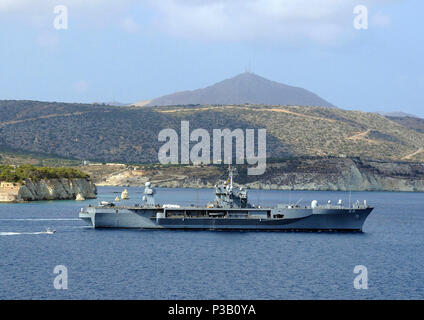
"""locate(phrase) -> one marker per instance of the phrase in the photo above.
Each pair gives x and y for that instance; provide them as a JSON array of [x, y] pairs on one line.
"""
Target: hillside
[[23, 172], [243, 88], [129, 135], [342, 174], [15, 157], [413, 123]]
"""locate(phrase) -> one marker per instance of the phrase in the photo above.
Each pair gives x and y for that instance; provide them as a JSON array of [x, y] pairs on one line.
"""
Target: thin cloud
[[321, 21], [41, 5], [316, 20]]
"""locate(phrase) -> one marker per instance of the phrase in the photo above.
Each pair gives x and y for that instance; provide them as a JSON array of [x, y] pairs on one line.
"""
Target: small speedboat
[[50, 231]]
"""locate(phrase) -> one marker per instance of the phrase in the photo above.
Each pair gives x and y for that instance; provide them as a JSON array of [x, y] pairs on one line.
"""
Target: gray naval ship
[[229, 211]]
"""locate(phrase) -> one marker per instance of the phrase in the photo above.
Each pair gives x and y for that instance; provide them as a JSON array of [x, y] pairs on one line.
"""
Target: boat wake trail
[[30, 219], [20, 233]]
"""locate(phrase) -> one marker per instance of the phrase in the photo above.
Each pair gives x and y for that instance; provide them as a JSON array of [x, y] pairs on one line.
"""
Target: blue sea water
[[136, 264]]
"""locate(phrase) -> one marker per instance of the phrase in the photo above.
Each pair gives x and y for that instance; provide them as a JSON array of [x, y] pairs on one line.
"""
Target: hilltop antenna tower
[[248, 68]]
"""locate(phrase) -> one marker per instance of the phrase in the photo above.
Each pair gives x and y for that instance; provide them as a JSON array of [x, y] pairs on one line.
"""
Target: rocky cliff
[[337, 174], [49, 189], [341, 174]]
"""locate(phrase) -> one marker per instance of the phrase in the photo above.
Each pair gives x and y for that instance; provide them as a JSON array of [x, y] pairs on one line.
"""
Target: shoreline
[[256, 189]]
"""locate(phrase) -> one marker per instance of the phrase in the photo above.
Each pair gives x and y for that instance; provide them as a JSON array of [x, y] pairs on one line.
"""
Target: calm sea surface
[[135, 264]]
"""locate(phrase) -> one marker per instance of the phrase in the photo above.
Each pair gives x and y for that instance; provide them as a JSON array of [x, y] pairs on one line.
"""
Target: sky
[[128, 50]]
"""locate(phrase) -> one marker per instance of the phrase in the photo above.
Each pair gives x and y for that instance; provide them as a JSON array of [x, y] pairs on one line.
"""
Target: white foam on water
[[19, 233], [30, 219]]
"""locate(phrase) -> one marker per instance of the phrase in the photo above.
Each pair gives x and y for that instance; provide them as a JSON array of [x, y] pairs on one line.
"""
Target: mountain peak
[[248, 76], [244, 88]]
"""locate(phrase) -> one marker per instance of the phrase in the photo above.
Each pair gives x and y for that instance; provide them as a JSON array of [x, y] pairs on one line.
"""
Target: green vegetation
[[20, 173], [416, 124], [130, 135], [10, 156]]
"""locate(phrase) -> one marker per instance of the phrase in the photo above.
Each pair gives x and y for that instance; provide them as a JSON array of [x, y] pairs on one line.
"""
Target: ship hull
[[317, 219]]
